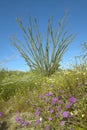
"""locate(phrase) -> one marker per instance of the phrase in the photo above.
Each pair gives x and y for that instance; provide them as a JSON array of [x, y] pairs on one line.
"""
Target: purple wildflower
[[17, 112], [1, 114], [72, 100], [38, 122], [37, 113], [62, 123], [40, 96], [49, 94], [59, 97], [21, 121], [65, 114], [51, 111], [50, 118], [17, 118], [54, 100], [68, 105], [26, 123], [59, 108], [57, 114], [47, 127]]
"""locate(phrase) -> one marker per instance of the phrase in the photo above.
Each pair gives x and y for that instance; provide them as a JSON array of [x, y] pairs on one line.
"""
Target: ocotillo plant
[[38, 56]]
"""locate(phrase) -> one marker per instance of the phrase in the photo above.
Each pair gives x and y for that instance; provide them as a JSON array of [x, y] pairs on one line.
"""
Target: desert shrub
[[36, 53]]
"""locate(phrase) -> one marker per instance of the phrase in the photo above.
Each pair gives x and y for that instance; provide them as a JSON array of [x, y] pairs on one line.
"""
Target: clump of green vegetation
[[45, 103]]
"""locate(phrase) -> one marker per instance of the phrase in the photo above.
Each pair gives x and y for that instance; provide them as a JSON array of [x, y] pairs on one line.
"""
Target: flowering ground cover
[[58, 102]]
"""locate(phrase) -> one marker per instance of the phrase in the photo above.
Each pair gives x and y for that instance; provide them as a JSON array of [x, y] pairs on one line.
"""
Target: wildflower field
[[31, 101]]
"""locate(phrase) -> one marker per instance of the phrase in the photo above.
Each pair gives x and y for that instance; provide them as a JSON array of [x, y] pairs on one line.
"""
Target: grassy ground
[[30, 101]]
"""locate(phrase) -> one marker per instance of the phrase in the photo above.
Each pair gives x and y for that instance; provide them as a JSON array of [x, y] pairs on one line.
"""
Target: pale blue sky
[[42, 10]]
